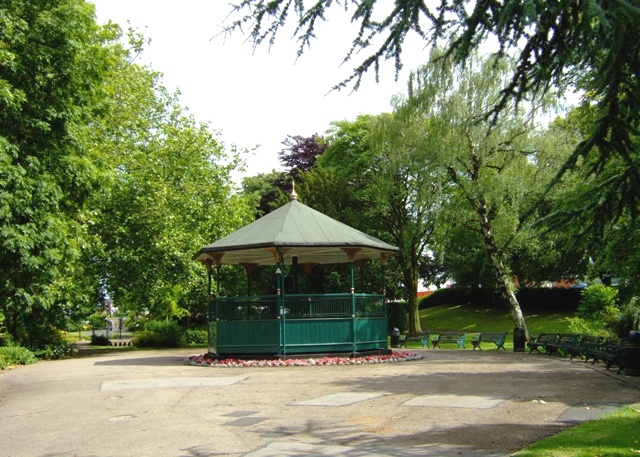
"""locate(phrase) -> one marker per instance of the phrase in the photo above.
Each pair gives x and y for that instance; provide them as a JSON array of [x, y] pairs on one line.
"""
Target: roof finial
[[293, 195]]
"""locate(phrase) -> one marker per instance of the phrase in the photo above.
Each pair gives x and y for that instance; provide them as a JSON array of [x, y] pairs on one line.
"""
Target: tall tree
[[397, 189], [591, 45], [500, 174], [52, 70], [169, 192]]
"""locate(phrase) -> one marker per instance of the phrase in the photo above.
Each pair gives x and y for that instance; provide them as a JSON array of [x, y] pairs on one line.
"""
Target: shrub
[[99, 340], [15, 355], [447, 296], [5, 339], [161, 334], [197, 336], [594, 301], [626, 319], [528, 297], [50, 344], [397, 316], [589, 327], [56, 350]]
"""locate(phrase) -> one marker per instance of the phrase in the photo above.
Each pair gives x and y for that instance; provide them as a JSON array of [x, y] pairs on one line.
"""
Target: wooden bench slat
[[450, 337], [422, 338], [560, 343]]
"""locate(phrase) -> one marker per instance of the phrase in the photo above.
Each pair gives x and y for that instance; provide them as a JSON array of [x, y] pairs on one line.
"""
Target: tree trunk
[[504, 283], [411, 283]]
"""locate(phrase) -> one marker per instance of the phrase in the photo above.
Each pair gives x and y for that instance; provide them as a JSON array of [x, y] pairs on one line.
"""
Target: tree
[[168, 192], [497, 176], [300, 153], [53, 65], [590, 45], [396, 190], [266, 189]]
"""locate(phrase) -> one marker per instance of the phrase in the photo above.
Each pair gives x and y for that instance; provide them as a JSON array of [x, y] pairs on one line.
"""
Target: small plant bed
[[203, 360]]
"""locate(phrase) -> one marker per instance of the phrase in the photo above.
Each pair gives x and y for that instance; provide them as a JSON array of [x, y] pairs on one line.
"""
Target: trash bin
[[518, 339], [395, 338], [632, 354]]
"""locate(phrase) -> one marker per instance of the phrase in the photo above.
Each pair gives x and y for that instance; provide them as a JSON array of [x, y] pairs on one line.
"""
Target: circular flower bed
[[202, 360]]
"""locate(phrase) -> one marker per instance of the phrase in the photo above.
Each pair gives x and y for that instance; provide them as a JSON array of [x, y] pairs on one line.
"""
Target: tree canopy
[[52, 68], [590, 46], [107, 186]]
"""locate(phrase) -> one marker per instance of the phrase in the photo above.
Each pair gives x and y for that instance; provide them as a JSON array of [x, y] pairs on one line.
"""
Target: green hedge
[[197, 336], [531, 298], [160, 334], [397, 316]]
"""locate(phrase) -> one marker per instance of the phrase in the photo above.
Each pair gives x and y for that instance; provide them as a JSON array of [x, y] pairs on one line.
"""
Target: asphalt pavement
[[153, 403]]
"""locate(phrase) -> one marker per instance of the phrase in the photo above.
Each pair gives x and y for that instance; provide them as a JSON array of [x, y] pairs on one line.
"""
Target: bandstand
[[292, 238]]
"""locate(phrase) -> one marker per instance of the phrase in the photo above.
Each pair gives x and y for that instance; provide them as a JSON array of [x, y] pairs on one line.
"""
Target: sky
[[255, 98]]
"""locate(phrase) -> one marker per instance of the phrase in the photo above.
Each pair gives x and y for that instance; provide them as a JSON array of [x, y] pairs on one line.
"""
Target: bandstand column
[[351, 254]]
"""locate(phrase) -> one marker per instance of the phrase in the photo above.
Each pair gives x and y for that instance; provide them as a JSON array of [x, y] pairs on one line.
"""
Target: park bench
[[597, 351], [540, 341], [614, 356], [422, 338], [490, 337], [450, 337], [578, 348], [559, 345]]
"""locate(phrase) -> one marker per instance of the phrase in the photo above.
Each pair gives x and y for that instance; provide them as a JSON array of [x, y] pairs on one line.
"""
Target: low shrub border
[[15, 355]]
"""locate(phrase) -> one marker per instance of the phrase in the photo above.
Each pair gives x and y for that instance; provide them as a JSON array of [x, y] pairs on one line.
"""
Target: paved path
[[150, 403]]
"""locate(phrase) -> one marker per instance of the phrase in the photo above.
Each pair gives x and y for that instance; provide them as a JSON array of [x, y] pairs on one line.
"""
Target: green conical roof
[[299, 231]]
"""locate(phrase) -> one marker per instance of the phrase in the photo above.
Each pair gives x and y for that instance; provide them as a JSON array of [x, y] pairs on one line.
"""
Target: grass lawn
[[474, 320], [616, 434]]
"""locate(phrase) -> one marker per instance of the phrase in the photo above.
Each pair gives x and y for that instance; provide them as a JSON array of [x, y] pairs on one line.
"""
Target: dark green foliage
[[627, 320], [529, 298], [591, 44], [50, 74], [196, 336], [15, 355], [448, 296], [397, 315], [161, 334], [56, 350], [545, 298], [99, 340]]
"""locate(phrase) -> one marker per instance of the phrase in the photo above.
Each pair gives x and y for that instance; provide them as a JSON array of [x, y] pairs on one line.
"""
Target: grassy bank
[[473, 319]]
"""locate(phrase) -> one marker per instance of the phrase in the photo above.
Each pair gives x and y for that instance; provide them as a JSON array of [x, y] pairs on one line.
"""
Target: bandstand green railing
[[295, 323]]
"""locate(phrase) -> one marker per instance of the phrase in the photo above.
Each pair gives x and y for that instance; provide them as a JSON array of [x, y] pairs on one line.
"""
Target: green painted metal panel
[[312, 324], [371, 333], [248, 337]]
